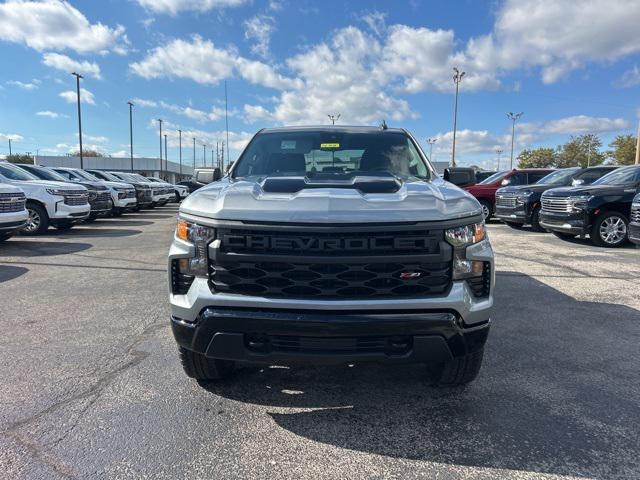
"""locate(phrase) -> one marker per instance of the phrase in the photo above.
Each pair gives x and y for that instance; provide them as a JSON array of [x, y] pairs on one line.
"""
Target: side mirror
[[505, 182], [217, 174], [447, 174], [576, 182]]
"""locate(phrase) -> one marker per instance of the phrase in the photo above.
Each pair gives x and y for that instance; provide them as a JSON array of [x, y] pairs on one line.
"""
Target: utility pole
[[222, 157], [638, 145], [160, 122], [78, 77], [431, 141], [194, 153], [217, 154], [514, 118], [213, 165], [334, 118], [10, 154], [457, 78], [180, 148], [166, 157], [589, 151], [226, 117], [131, 132], [204, 155]]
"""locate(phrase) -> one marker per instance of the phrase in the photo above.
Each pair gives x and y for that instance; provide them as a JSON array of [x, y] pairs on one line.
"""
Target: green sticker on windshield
[[329, 146]]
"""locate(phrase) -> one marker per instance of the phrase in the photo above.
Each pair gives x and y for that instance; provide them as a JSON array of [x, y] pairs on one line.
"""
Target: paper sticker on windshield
[[329, 146], [288, 145]]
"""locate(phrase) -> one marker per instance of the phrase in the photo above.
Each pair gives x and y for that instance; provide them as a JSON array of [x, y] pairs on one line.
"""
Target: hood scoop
[[364, 184]]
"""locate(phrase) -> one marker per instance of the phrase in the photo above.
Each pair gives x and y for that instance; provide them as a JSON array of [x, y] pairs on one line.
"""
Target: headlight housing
[[57, 191], [460, 238], [579, 202], [523, 197], [199, 236]]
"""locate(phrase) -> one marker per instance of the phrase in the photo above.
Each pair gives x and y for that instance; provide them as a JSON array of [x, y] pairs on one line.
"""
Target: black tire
[[535, 221], [90, 219], [564, 236], [5, 236], [487, 210], [198, 366], [116, 212], [515, 226], [618, 236], [458, 371], [64, 226], [38, 222]]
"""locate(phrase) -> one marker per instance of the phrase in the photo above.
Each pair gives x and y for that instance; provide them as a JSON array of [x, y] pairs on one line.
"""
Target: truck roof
[[333, 128]]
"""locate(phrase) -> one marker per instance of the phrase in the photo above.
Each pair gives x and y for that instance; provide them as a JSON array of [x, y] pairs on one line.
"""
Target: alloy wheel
[[613, 230], [33, 222], [485, 211]]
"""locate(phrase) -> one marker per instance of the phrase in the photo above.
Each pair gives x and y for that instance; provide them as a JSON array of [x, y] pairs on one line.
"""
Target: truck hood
[[525, 188], [49, 184], [414, 201], [587, 190], [116, 184]]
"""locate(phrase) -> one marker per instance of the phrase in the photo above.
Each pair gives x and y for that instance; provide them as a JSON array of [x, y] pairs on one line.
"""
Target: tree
[[537, 158], [20, 158], [87, 153], [624, 150], [583, 150]]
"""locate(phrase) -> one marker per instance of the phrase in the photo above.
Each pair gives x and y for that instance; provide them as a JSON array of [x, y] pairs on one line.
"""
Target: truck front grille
[[103, 196], [635, 215], [556, 205], [506, 201], [76, 197], [332, 265], [12, 202]]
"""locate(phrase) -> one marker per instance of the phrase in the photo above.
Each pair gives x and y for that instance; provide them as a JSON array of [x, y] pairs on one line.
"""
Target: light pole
[[514, 118], [204, 155], [457, 78], [10, 154], [78, 77], [431, 141], [194, 153], [180, 148], [160, 122], [131, 132], [334, 118], [166, 158], [499, 152], [638, 145]]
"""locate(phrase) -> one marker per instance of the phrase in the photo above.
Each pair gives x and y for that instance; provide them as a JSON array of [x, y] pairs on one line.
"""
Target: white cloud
[[95, 139], [630, 78], [575, 125], [173, 7], [66, 64], [14, 137], [376, 21], [259, 29], [201, 61], [49, 113], [25, 85], [214, 114], [121, 153], [141, 102], [85, 96], [57, 25]]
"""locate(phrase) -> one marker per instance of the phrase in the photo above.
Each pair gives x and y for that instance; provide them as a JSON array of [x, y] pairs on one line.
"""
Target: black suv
[[634, 225], [519, 205], [600, 210], [143, 190]]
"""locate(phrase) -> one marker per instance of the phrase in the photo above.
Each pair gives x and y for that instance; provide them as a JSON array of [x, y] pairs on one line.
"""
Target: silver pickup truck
[[331, 244]]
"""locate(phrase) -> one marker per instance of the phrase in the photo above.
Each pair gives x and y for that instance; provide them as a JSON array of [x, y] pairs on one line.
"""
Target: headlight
[[523, 197], [92, 194], [199, 236], [579, 202], [57, 191], [460, 238]]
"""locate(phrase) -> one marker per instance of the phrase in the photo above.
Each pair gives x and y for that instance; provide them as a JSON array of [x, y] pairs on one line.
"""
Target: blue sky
[[571, 67]]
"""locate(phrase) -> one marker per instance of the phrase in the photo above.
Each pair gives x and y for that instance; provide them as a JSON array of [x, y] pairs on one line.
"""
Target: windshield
[[105, 176], [137, 177], [86, 175], [331, 154], [559, 177], [43, 173], [15, 173], [493, 178], [620, 177], [69, 175]]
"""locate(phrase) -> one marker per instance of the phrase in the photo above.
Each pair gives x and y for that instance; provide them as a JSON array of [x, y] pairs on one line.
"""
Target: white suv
[[13, 214], [180, 192], [48, 203]]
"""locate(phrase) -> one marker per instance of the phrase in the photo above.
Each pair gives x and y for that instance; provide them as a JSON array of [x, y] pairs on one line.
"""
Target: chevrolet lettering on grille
[[265, 242]]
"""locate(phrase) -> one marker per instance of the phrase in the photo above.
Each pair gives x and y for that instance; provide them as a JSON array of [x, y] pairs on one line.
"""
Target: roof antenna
[[383, 125]]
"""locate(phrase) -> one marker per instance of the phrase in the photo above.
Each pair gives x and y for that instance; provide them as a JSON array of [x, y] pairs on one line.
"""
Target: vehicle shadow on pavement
[[8, 272], [557, 394], [97, 232], [24, 248], [119, 222]]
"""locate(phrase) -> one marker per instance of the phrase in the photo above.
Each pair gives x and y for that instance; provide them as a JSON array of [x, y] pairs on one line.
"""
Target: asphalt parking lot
[[91, 386]]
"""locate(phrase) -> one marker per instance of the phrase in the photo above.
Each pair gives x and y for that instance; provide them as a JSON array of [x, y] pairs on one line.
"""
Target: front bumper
[[101, 208], [577, 223], [512, 215], [271, 336], [123, 203], [12, 221], [63, 211]]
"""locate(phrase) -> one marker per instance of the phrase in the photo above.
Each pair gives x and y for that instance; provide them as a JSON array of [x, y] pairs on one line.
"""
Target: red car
[[485, 191]]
